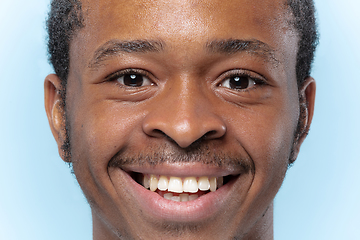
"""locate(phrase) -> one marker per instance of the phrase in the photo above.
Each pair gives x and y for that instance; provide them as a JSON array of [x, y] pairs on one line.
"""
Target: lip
[[182, 170], [157, 207]]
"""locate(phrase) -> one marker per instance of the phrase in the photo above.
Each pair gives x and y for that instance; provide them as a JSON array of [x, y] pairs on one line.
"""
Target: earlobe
[[307, 105], [55, 112]]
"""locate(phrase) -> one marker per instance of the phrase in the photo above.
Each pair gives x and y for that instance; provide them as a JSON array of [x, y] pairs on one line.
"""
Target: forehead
[[179, 16], [184, 25]]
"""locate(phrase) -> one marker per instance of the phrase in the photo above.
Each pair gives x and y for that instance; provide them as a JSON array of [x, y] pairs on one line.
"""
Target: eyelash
[[115, 76], [258, 79]]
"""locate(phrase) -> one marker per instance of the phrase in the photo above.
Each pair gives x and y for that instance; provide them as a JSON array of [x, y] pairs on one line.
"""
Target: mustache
[[169, 154]]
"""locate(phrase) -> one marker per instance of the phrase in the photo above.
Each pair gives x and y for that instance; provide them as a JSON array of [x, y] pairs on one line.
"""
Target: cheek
[[103, 130], [266, 135], [99, 130]]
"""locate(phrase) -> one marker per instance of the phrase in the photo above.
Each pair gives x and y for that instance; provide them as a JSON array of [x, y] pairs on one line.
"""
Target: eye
[[239, 82], [133, 80]]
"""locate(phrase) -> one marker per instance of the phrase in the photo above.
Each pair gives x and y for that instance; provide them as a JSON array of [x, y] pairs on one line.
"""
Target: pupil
[[239, 82], [133, 80]]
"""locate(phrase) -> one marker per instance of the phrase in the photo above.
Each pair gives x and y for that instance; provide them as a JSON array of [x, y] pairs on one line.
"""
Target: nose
[[184, 114]]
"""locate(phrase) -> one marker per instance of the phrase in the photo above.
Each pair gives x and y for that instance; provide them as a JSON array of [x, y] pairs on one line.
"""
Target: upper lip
[[183, 170]]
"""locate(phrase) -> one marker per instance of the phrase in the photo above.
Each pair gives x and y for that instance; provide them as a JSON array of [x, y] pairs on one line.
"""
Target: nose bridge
[[185, 114]]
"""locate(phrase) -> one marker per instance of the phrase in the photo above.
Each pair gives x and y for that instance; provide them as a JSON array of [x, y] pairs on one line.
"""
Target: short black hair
[[304, 22], [66, 18]]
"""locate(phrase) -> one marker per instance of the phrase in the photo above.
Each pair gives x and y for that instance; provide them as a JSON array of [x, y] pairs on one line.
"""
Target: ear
[[307, 93], [55, 112]]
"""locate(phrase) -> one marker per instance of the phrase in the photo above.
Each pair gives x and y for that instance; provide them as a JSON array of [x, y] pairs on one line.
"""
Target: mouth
[[180, 192], [181, 189]]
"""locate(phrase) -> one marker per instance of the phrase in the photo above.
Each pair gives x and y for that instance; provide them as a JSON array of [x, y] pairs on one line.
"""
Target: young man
[[180, 118]]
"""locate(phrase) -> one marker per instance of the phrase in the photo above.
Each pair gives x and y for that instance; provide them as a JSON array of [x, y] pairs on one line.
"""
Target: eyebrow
[[252, 46], [115, 47], [228, 46]]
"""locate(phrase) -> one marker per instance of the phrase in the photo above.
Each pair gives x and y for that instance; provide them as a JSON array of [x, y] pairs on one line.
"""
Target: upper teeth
[[179, 185]]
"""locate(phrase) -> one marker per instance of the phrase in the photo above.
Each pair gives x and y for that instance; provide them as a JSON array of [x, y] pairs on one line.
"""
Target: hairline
[[288, 14]]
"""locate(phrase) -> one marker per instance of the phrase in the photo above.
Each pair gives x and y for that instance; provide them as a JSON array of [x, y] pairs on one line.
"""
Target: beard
[[201, 151]]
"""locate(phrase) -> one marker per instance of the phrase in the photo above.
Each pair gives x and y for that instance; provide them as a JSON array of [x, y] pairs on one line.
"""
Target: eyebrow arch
[[252, 46], [114, 47]]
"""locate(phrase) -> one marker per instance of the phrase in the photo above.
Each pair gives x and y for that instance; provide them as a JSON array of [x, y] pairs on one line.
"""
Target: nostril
[[158, 132], [209, 134], [184, 128], [216, 133]]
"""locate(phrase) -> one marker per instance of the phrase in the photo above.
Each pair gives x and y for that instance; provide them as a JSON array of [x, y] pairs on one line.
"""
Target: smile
[[180, 192], [180, 189]]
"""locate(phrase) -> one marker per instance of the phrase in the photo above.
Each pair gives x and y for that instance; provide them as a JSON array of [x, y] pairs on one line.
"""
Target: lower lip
[[204, 207]]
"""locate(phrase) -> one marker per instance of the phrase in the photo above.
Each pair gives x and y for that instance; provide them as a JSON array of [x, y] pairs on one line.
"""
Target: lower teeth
[[181, 198]]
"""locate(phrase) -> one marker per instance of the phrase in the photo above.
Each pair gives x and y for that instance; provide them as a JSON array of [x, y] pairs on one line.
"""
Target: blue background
[[40, 199]]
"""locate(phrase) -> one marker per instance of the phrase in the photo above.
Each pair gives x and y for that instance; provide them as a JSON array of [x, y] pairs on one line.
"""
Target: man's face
[[182, 90]]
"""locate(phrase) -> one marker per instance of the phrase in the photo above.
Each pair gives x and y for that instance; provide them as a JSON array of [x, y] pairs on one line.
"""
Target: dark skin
[[185, 99]]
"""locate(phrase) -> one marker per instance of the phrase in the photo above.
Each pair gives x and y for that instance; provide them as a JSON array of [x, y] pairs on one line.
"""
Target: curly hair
[[65, 19]]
